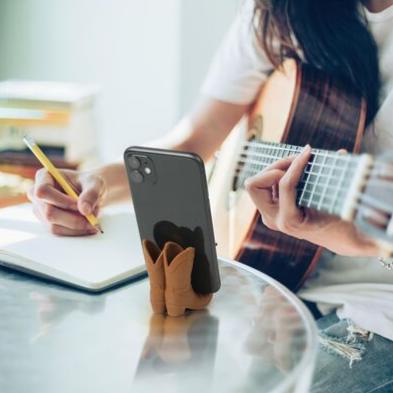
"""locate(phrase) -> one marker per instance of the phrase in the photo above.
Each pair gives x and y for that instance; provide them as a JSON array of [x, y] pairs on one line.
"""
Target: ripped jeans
[[351, 360]]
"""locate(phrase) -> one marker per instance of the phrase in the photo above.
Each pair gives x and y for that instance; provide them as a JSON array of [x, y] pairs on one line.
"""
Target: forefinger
[[282, 164], [287, 192]]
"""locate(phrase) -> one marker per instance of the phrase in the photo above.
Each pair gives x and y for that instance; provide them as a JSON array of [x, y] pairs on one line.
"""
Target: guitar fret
[[277, 158], [300, 188], [327, 201], [250, 172], [325, 187], [305, 185], [309, 204], [333, 190], [332, 209], [263, 146]]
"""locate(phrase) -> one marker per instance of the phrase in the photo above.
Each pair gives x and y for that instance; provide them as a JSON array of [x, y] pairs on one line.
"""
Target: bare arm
[[202, 131], [205, 128]]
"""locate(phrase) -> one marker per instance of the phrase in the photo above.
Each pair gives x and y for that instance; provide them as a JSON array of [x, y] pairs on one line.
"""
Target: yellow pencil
[[44, 160]]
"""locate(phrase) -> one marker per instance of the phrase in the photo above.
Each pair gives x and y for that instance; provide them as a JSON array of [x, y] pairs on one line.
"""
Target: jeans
[[351, 360]]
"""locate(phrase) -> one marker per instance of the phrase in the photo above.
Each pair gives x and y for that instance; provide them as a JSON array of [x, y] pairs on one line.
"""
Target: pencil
[[67, 187]]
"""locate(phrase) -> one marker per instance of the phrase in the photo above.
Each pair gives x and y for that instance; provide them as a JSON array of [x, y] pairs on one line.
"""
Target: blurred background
[[135, 67], [148, 57]]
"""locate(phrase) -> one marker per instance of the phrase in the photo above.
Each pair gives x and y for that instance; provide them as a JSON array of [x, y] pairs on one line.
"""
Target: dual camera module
[[141, 168]]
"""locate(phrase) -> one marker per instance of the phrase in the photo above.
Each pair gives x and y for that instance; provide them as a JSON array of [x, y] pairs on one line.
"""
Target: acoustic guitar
[[299, 104]]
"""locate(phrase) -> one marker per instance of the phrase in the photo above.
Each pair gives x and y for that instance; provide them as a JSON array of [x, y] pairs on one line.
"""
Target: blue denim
[[371, 368]]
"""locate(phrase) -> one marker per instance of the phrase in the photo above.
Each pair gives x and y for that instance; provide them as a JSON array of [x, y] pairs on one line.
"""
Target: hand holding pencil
[[56, 201]]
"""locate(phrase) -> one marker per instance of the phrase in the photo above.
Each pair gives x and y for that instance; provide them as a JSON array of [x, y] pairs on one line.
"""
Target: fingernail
[[86, 208], [306, 148]]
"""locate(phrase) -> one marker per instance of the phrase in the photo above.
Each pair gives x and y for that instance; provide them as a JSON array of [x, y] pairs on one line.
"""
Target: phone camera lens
[[136, 177], [148, 171], [134, 162]]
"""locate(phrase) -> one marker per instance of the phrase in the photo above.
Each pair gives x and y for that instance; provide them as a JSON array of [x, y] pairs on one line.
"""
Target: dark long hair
[[332, 34]]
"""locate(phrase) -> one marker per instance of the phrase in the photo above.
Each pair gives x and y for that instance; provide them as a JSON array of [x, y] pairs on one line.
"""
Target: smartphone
[[171, 203]]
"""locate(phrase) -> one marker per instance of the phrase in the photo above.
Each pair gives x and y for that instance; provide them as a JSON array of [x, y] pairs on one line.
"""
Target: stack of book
[[59, 116]]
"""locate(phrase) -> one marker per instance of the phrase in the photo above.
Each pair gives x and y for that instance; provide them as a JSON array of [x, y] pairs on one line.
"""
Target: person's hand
[[60, 212], [274, 193], [277, 332]]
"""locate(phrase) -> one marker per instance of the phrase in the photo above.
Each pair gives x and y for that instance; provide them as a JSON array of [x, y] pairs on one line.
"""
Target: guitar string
[[341, 199], [275, 157], [339, 188], [368, 200], [354, 158], [244, 174], [240, 170], [306, 182], [286, 148], [309, 182], [303, 185], [266, 164], [289, 148], [334, 186], [322, 196], [380, 205], [296, 149], [381, 182]]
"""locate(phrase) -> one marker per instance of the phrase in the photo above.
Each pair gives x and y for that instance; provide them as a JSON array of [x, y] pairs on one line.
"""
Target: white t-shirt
[[359, 288]]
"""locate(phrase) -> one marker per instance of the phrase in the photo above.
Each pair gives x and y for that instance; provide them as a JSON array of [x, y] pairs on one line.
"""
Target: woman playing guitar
[[353, 41]]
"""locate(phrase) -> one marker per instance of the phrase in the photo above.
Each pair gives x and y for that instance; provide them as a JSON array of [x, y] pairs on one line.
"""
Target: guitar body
[[297, 105]]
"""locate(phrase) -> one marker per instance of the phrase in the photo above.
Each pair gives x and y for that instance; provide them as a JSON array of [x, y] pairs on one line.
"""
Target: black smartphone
[[171, 203]]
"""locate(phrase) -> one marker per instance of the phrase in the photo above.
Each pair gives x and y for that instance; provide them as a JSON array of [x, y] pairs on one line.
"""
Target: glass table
[[255, 337]]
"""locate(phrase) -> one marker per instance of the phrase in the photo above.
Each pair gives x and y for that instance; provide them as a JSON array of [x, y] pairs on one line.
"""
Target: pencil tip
[[99, 229]]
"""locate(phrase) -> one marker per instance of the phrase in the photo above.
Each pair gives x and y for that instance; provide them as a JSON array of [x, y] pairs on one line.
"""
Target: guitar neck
[[330, 183]]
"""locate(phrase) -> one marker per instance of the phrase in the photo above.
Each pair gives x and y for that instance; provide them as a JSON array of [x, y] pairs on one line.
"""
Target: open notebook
[[93, 263]]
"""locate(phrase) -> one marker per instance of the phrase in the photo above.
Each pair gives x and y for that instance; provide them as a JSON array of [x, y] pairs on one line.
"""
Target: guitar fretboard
[[326, 182]]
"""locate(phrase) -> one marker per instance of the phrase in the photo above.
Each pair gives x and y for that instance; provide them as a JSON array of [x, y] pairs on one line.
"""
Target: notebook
[[93, 263]]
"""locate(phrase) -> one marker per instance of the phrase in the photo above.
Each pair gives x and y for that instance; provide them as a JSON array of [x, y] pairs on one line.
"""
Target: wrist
[[344, 239], [115, 183]]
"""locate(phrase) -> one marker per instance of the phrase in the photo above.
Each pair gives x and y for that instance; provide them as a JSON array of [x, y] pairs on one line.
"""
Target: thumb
[[92, 191]]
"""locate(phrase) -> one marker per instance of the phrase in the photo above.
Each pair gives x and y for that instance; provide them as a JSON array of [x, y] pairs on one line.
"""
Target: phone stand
[[169, 273]]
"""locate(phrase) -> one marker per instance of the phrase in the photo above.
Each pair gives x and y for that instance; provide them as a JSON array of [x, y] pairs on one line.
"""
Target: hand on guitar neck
[[310, 202], [274, 192]]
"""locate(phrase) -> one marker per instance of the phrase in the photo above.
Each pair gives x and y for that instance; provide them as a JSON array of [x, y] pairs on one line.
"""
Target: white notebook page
[[92, 261]]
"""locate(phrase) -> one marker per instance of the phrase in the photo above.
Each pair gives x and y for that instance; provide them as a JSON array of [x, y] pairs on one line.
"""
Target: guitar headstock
[[375, 205]]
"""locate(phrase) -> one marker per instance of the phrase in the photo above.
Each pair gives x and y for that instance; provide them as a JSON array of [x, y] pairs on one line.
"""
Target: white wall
[[203, 27], [148, 56]]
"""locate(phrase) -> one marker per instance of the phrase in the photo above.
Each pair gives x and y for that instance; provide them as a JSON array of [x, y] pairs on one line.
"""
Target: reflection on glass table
[[254, 337]]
